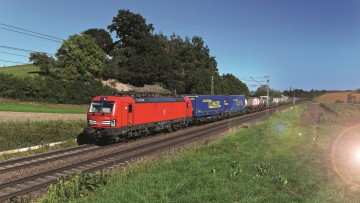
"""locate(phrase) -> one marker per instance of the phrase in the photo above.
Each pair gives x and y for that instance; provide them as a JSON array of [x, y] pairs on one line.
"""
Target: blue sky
[[307, 44]]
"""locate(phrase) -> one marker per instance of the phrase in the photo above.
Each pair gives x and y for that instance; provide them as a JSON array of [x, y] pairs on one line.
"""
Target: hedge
[[50, 90]]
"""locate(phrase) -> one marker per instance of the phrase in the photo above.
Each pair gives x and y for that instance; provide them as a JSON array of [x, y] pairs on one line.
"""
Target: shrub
[[50, 90], [75, 187]]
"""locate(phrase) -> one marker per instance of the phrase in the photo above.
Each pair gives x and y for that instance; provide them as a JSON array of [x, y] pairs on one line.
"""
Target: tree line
[[138, 56]]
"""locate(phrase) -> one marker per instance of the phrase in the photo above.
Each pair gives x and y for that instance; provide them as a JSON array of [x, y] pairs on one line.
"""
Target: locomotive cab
[[108, 118], [101, 113]]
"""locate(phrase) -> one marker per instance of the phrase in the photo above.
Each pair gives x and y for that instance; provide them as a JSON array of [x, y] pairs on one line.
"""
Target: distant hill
[[21, 70]]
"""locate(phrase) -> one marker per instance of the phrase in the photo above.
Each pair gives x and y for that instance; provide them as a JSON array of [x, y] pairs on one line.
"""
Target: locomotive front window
[[101, 107], [95, 107]]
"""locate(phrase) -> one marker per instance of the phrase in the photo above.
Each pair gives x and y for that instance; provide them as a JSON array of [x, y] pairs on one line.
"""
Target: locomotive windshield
[[101, 107]]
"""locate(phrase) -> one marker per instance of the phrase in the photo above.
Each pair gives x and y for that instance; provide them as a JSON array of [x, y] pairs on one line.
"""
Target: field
[[20, 70], [278, 160], [338, 97], [340, 114], [18, 106]]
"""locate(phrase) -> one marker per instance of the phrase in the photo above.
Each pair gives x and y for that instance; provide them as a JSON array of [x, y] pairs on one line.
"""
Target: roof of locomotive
[[140, 99]]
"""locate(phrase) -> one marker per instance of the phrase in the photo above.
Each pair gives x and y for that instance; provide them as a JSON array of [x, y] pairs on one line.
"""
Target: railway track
[[14, 164], [29, 183]]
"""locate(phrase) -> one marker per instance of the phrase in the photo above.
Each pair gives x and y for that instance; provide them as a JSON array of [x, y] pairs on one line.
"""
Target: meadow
[[35, 107], [21, 70], [277, 160]]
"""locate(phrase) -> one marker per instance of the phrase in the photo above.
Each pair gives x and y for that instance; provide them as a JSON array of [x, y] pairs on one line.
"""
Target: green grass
[[20, 70], [16, 134], [38, 108], [277, 160], [18, 106]]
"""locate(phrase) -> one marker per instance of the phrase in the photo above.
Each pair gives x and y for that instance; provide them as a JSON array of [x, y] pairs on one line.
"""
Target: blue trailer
[[237, 104], [206, 106]]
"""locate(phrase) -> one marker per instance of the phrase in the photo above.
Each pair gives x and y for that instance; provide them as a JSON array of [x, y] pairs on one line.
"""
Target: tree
[[192, 65], [102, 38], [45, 62], [136, 53], [80, 58], [114, 69], [130, 27], [262, 91], [232, 85]]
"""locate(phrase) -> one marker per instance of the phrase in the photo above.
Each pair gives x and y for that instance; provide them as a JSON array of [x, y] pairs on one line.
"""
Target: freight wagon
[[253, 104], [208, 107], [236, 104]]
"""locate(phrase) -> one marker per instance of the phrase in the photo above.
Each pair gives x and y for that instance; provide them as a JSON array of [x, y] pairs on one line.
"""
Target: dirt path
[[25, 116], [312, 114]]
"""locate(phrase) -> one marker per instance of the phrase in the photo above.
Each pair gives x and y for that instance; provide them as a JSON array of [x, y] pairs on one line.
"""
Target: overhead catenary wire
[[48, 36], [31, 35], [23, 50], [248, 80], [252, 77], [3, 52], [13, 62]]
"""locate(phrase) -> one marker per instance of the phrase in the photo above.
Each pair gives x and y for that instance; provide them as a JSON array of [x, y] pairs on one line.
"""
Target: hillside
[[20, 70]]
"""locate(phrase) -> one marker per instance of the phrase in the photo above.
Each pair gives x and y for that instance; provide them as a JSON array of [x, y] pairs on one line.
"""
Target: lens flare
[[345, 155], [356, 156]]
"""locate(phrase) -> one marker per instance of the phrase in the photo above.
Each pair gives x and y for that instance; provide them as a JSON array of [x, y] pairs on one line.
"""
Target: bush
[[50, 90], [75, 187]]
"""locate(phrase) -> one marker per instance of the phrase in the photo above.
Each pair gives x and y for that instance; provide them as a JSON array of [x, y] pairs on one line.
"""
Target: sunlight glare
[[356, 155]]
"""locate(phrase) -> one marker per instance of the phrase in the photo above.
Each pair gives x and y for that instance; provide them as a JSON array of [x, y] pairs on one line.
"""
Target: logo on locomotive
[[212, 104], [238, 102]]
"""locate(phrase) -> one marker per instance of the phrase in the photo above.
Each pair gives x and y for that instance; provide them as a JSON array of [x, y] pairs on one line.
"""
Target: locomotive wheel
[[169, 129], [174, 127], [82, 139]]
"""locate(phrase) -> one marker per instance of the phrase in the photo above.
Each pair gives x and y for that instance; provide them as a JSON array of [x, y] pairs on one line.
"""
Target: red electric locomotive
[[114, 118]]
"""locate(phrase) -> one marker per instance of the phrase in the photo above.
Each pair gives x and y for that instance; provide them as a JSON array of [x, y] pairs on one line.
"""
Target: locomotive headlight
[[113, 123]]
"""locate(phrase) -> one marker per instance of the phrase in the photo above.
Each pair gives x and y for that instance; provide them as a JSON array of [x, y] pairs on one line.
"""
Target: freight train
[[116, 118]]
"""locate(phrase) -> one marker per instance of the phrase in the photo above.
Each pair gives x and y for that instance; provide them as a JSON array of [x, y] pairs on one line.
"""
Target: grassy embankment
[[277, 160], [18, 134]]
